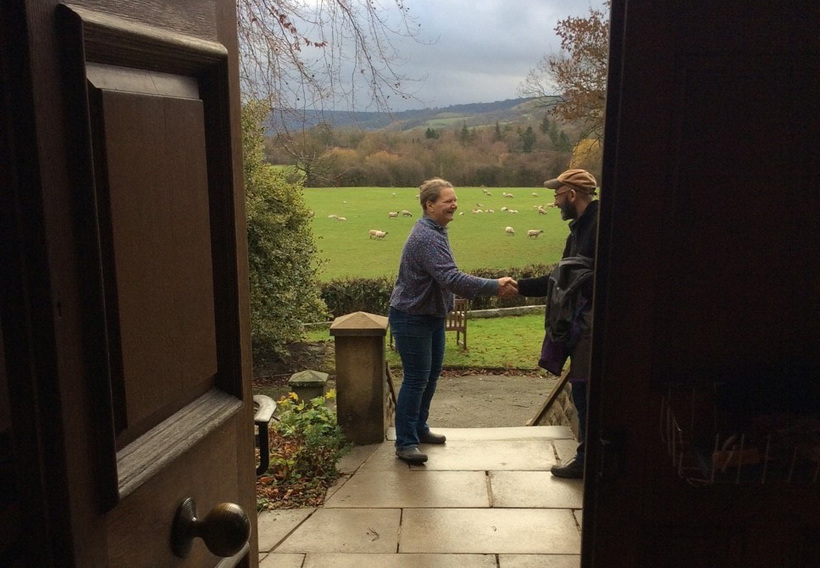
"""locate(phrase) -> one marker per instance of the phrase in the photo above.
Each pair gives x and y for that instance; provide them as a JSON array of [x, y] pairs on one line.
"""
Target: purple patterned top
[[428, 275]]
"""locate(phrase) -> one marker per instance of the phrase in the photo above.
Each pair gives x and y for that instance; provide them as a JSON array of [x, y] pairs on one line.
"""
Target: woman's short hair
[[431, 189]]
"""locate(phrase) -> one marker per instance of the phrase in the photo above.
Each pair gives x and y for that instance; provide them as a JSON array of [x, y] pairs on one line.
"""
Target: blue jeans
[[420, 343]]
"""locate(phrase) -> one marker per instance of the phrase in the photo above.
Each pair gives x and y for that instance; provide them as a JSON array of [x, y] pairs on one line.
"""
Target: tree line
[[521, 154]]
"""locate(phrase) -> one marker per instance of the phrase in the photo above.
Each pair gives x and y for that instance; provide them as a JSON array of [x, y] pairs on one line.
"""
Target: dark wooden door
[[703, 426], [124, 314]]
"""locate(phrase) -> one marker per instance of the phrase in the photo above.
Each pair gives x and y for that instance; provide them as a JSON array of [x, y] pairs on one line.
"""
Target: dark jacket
[[582, 239], [564, 299]]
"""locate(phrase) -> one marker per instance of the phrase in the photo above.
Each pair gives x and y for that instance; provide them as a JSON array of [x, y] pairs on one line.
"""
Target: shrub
[[281, 251], [305, 445]]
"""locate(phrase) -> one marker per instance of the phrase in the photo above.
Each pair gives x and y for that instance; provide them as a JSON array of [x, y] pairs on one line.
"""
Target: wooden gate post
[[360, 396]]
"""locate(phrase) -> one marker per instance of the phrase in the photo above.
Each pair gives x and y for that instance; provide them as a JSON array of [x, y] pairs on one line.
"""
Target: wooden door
[[124, 313], [707, 290]]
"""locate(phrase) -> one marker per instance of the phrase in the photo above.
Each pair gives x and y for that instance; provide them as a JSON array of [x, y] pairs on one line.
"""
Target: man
[[575, 197]]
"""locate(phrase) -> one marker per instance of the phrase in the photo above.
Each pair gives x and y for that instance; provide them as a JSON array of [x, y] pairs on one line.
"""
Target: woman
[[421, 299]]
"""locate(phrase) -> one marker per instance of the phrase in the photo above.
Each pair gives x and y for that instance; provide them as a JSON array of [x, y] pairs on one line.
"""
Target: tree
[[577, 74], [465, 135], [297, 54], [544, 127], [527, 139], [497, 135], [284, 290]]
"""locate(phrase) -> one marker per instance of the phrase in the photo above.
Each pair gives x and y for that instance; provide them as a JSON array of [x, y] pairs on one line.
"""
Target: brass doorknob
[[225, 529]]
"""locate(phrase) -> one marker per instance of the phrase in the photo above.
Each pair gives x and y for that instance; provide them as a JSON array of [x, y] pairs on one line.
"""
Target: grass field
[[478, 240]]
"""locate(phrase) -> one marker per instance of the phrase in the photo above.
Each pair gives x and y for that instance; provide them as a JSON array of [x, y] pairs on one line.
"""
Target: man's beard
[[568, 211]]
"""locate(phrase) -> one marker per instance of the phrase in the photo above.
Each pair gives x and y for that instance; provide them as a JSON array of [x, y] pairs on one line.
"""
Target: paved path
[[485, 499]]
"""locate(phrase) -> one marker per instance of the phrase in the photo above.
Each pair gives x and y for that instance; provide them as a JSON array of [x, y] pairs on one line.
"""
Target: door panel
[[705, 340], [152, 153], [130, 213]]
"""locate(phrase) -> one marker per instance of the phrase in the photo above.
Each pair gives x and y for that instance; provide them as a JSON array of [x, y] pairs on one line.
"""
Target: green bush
[[344, 296], [281, 250]]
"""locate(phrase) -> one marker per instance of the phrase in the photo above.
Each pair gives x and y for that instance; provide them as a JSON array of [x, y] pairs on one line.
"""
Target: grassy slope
[[478, 240]]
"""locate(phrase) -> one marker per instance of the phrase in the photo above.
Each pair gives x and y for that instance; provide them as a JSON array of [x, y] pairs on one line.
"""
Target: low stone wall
[[562, 412]]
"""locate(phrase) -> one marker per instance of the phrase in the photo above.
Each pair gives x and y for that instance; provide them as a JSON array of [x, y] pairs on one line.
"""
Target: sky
[[476, 51]]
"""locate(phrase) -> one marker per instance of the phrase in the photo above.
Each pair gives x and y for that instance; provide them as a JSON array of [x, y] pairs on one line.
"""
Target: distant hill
[[472, 114]]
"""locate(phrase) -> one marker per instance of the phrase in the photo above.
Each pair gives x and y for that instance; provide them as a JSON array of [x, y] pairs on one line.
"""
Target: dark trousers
[[579, 399]]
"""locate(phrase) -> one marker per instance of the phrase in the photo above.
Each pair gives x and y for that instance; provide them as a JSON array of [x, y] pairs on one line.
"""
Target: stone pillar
[[360, 396]]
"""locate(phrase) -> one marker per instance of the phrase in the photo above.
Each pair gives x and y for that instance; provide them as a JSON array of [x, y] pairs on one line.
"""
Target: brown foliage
[[578, 74]]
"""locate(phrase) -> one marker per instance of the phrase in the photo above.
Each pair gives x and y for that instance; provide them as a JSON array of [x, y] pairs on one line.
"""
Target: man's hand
[[507, 286]]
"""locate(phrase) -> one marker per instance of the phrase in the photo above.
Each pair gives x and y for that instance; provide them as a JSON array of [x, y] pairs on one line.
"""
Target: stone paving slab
[[486, 455], [535, 490], [487, 531], [372, 531], [274, 526], [400, 561], [352, 460], [565, 449], [406, 488], [282, 561], [539, 561], [506, 433]]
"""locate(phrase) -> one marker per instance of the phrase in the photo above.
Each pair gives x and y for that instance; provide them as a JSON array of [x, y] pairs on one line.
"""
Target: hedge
[[372, 295]]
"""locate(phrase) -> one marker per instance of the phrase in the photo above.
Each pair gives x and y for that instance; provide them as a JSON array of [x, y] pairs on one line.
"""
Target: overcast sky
[[481, 50]]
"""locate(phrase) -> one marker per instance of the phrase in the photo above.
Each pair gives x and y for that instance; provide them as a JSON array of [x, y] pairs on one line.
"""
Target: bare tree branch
[[318, 54]]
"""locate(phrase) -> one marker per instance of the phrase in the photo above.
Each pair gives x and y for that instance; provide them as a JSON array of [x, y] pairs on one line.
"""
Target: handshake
[[507, 286]]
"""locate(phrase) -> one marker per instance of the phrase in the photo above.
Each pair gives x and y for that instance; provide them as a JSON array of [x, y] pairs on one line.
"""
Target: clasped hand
[[507, 286]]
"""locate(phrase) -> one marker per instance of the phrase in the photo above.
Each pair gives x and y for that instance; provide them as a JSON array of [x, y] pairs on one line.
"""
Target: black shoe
[[411, 455], [573, 470], [431, 438]]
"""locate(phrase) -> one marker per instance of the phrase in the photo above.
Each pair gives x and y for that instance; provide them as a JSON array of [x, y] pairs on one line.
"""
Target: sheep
[[341, 218], [374, 232], [509, 231], [504, 208], [406, 213], [541, 210], [534, 233], [332, 216], [380, 234], [534, 194], [393, 215]]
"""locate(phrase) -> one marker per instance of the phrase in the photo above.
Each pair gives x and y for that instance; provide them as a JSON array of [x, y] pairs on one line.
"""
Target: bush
[[284, 289]]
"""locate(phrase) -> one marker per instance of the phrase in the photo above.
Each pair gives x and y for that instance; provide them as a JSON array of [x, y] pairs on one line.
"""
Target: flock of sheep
[[532, 233]]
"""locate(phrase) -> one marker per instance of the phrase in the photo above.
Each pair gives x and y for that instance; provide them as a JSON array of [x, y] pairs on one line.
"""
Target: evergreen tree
[[464, 135], [528, 139], [497, 135], [544, 127]]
